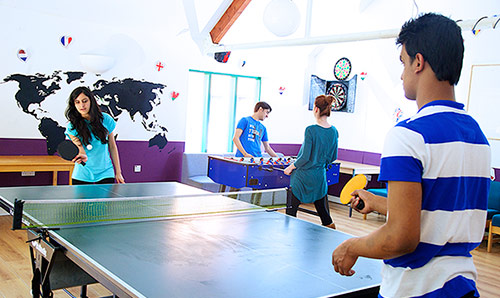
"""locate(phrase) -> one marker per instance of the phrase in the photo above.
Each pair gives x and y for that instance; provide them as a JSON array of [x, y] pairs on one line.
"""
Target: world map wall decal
[[117, 97]]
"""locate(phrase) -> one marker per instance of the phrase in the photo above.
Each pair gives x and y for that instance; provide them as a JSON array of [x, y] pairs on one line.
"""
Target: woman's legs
[[324, 211], [292, 203]]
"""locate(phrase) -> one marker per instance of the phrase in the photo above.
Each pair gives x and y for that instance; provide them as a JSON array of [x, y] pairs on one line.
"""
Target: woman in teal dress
[[308, 173]]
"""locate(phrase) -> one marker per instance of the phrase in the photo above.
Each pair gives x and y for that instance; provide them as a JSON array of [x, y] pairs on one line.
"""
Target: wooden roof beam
[[227, 20]]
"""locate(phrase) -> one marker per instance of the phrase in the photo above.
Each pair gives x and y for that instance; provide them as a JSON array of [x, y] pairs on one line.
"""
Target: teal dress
[[308, 180]]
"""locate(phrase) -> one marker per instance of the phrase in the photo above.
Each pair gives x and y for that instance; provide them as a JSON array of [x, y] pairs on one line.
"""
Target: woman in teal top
[[308, 172], [92, 133]]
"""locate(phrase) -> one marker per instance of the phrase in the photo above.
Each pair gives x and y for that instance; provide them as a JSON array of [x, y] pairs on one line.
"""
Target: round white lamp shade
[[281, 17], [97, 64]]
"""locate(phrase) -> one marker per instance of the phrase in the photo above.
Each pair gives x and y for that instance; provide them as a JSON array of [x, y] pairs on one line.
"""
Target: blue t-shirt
[[444, 149], [99, 165], [253, 134]]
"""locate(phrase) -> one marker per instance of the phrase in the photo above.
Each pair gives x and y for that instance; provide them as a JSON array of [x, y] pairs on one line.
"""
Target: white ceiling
[[329, 17]]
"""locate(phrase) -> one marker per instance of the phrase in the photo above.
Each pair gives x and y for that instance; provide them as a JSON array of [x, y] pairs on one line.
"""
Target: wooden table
[[353, 168], [36, 163]]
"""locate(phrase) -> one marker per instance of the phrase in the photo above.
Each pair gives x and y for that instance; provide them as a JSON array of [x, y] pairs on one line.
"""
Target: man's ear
[[419, 62]]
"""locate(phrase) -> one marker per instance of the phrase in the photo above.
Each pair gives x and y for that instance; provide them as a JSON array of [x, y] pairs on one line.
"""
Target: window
[[216, 102]]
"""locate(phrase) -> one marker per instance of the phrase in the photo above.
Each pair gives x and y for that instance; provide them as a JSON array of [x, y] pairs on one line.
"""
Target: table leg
[[54, 178], [70, 182], [83, 292]]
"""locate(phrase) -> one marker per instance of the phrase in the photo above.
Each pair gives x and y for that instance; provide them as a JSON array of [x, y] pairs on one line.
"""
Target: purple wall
[[157, 165], [286, 149], [368, 158]]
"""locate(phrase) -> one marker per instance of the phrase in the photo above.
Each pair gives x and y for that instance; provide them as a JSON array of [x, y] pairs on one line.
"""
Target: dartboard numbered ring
[[339, 93]]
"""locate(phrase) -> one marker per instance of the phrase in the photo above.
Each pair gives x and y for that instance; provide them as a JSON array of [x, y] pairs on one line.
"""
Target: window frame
[[207, 96]]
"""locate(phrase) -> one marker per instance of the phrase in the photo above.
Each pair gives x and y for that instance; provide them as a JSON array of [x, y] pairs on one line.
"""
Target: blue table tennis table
[[254, 253]]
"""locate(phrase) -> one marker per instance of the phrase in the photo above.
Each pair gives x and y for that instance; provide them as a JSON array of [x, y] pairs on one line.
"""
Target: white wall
[[134, 36], [381, 92], [138, 34]]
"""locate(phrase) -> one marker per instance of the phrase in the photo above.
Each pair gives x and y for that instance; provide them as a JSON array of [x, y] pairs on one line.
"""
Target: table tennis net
[[76, 212]]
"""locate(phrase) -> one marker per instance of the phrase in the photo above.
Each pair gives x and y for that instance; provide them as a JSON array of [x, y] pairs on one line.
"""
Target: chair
[[493, 212], [194, 172], [494, 229], [378, 191], [493, 201]]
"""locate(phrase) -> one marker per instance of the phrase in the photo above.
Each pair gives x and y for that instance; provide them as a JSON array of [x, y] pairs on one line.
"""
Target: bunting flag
[[159, 65], [66, 40], [22, 55], [398, 114], [222, 57]]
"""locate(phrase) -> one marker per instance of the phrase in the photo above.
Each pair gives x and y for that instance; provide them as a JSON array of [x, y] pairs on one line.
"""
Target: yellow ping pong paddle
[[356, 182]]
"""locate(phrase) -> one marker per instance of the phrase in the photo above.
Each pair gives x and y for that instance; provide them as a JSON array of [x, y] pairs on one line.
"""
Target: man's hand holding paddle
[[365, 202], [361, 200]]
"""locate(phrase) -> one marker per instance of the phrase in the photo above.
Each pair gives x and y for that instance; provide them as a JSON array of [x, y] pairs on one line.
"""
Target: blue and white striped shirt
[[445, 150]]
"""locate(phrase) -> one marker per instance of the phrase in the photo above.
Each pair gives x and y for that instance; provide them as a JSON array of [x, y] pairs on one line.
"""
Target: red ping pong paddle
[[356, 182], [68, 150]]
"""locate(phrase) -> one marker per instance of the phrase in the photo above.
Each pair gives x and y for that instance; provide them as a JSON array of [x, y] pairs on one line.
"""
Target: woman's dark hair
[[439, 40], [324, 104], [79, 123]]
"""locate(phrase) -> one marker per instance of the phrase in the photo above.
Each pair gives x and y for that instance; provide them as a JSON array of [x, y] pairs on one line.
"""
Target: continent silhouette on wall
[[137, 98]]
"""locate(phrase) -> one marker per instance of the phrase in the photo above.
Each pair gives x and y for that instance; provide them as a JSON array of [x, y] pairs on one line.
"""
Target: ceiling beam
[[227, 20], [465, 25]]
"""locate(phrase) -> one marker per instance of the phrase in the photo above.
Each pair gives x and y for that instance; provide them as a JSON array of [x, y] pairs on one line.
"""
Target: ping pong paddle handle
[[360, 205]]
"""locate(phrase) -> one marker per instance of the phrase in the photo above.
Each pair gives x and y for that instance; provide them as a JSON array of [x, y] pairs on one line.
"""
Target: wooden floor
[[15, 268]]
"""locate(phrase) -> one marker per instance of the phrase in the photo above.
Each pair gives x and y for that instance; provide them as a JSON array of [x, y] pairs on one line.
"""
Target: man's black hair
[[262, 104], [439, 40]]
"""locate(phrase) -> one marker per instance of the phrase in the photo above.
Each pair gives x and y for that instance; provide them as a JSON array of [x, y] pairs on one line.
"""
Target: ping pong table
[[249, 253]]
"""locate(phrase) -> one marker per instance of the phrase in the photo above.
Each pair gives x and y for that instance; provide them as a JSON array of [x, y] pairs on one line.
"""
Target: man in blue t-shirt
[[437, 167], [250, 132]]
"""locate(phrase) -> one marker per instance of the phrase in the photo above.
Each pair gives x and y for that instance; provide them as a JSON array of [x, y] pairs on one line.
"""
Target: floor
[[15, 268]]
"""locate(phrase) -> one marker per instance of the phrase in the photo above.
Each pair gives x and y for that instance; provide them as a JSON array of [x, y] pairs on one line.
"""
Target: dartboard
[[342, 69], [339, 93]]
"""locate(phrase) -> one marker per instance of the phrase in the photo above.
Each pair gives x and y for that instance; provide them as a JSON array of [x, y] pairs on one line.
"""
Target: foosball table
[[258, 172]]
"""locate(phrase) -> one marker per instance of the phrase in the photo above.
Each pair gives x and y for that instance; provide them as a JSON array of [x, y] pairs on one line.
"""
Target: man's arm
[[269, 150], [398, 236], [237, 142]]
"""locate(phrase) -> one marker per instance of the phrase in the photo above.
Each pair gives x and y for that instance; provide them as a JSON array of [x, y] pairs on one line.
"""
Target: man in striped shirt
[[436, 165]]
